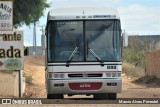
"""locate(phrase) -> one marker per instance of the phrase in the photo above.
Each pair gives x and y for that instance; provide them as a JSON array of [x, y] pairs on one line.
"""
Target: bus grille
[[84, 75]]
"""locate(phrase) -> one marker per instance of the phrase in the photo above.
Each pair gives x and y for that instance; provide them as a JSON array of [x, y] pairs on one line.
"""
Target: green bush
[[136, 57], [28, 80]]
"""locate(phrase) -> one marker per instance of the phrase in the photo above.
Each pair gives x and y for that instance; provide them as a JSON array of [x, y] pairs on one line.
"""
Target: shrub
[[28, 80], [131, 55]]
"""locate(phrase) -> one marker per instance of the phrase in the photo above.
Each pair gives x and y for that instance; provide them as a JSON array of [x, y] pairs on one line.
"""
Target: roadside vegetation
[[135, 57], [132, 71], [134, 60], [28, 79], [149, 81]]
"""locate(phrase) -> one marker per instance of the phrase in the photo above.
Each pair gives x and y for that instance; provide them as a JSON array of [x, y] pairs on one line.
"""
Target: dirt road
[[34, 66]]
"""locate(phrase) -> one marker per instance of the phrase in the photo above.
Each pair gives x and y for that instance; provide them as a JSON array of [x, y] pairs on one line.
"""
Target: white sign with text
[[6, 15], [11, 50]]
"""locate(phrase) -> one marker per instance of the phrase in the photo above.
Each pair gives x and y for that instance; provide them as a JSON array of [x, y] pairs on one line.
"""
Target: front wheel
[[55, 96], [100, 96], [105, 96], [112, 96]]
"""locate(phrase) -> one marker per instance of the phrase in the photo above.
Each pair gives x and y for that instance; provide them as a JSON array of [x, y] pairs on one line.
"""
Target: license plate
[[85, 86]]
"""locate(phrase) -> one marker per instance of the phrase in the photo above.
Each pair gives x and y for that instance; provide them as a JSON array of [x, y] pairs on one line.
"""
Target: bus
[[83, 53]]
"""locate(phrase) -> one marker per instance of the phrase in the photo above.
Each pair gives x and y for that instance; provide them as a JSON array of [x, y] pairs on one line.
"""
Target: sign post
[[11, 47]]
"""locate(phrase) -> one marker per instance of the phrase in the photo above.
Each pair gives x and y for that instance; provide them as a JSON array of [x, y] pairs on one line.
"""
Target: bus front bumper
[[84, 86]]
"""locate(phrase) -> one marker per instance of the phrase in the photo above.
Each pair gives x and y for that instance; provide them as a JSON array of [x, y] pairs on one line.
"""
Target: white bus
[[83, 53]]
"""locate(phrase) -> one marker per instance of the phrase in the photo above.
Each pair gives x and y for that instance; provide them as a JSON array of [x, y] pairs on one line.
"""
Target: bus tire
[[97, 96], [112, 96], [55, 96], [103, 96]]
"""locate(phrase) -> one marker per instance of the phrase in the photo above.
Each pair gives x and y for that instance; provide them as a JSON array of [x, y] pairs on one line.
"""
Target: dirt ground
[[34, 67]]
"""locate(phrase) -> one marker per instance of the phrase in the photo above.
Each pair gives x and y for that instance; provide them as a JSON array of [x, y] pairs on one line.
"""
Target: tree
[[27, 11]]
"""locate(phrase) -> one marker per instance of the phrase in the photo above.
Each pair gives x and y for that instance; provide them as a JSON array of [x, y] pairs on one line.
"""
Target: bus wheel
[[97, 96], [100, 96], [112, 96], [55, 96]]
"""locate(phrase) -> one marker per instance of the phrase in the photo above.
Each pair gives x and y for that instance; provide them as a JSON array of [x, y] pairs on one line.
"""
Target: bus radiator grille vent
[[84, 75]]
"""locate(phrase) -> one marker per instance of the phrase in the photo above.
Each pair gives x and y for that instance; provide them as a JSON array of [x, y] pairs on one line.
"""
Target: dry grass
[[29, 80], [130, 70], [139, 75], [149, 81], [35, 77]]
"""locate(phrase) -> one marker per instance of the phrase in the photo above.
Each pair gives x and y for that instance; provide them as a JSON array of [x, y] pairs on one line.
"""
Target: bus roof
[[82, 13]]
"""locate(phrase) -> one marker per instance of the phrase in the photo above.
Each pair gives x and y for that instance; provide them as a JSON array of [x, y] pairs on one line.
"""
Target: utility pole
[[43, 39], [34, 39], [124, 38], [42, 29]]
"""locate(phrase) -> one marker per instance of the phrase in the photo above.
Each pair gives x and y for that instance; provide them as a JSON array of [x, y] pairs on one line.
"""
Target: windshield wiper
[[72, 55], [96, 56]]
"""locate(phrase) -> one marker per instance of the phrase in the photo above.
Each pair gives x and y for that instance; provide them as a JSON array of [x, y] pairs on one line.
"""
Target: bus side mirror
[[124, 39]]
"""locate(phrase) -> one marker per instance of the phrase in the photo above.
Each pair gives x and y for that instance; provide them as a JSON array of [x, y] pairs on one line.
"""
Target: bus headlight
[[119, 74], [114, 74], [58, 75], [50, 76], [61, 75], [55, 75], [108, 74]]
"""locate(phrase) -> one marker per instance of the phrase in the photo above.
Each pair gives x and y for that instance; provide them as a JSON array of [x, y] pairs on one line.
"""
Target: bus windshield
[[81, 41]]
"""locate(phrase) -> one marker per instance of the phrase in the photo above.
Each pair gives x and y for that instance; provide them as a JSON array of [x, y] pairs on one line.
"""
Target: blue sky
[[140, 17]]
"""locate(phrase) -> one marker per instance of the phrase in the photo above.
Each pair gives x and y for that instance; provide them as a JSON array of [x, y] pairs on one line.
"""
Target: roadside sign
[[11, 50], [6, 15]]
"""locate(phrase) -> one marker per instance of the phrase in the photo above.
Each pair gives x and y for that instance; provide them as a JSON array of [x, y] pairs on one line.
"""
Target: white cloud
[[135, 18], [80, 3], [138, 19]]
